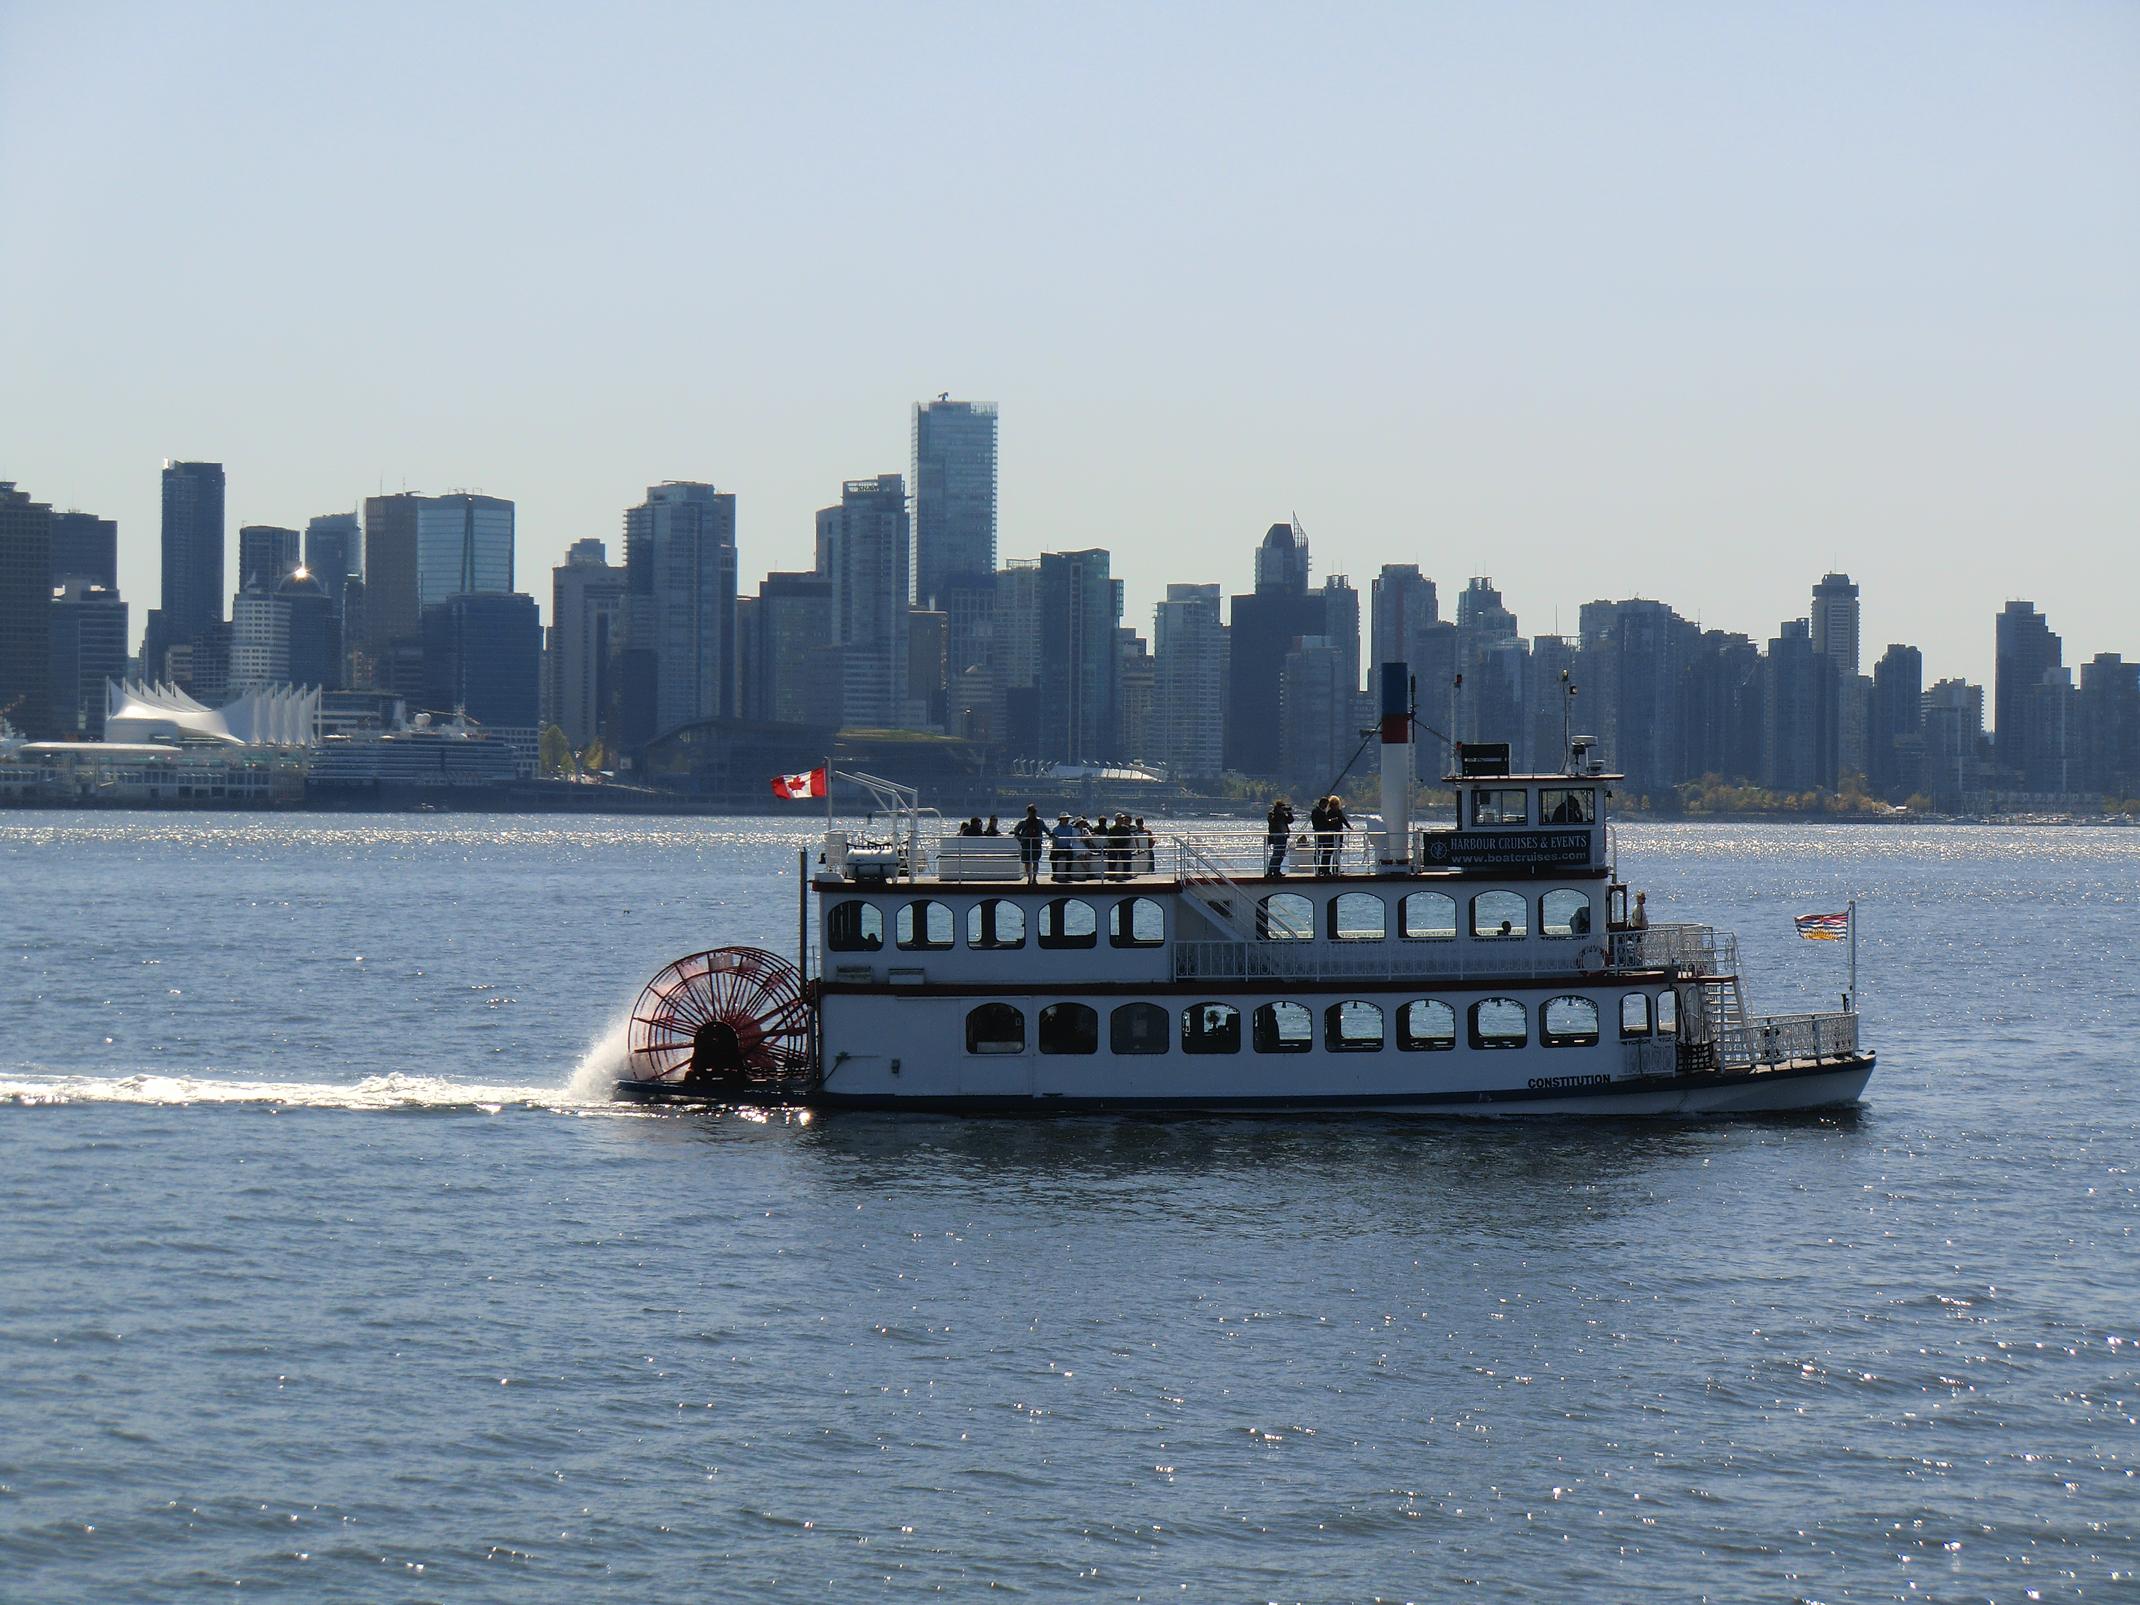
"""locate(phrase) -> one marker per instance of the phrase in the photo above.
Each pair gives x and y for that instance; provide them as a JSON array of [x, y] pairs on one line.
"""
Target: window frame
[[974, 925], [1648, 1029], [1407, 1043], [1588, 804], [1122, 913], [1404, 921], [1116, 1035], [1546, 933], [1263, 1028], [1482, 1043], [1550, 1038], [1059, 906], [1334, 928], [913, 914], [1334, 1040], [862, 942], [1061, 1014], [1514, 934], [1227, 1039], [1522, 794], [994, 1010], [1264, 930]]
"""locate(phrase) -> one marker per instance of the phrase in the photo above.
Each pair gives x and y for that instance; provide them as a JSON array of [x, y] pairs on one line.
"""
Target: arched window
[[1138, 1028], [1354, 1026], [1210, 1028], [1668, 1013], [1570, 1022], [1499, 914], [995, 1028], [1069, 1028], [1136, 922], [1426, 1025], [1285, 917], [854, 927], [1499, 1023], [1634, 1016], [1565, 912], [924, 927], [1283, 1028], [1429, 916], [1357, 917], [995, 922], [1068, 922]]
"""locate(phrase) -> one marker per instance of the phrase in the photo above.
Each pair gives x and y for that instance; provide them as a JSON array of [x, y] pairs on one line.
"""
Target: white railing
[[1786, 1038], [1353, 853], [1393, 961], [979, 858], [1663, 947]]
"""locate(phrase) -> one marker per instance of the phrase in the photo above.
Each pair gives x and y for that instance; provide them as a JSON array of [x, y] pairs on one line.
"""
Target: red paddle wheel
[[732, 1022]]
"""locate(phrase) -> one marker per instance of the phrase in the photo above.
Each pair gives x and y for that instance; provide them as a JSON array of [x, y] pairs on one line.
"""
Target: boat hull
[[1827, 1085]]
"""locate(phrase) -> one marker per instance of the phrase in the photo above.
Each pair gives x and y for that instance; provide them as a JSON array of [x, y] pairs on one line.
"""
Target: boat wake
[[586, 1088]]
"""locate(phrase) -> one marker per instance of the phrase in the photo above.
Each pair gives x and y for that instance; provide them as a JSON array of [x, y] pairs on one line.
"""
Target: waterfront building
[[1954, 744], [796, 648], [334, 555], [259, 641], [1492, 658], [192, 553], [1402, 605], [195, 775], [1634, 656], [89, 648], [25, 611], [464, 544], [866, 542], [393, 612], [1079, 679], [266, 553], [2052, 764], [1014, 717], [1722, 701], [279, 717], [1833, 621], [2026, 647], [587, 633], [1136, 674], [1315, 716], [2110, 726], [1265, 625], [680, 562], [1189, 683], [1798, 728], [85, 548], [482, 653], [1897, 724], [313, 631]]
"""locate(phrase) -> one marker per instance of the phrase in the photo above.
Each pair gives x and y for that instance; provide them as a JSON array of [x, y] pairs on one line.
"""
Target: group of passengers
[[1080, 850], [1327, 822]]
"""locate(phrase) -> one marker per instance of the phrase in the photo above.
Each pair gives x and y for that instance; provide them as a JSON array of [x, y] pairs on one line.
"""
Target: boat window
[[1210, 1028], [924, 927], [1634, 1016], [995, 922], [1429, 915], [1499, 1023], [1354, 1026], [1068, 922], [854, 927], [1069, 1028], [1136, 922], [1283, 1028], [1138, 1028], [1667, 1013], [1577, 806], [1564, 913], [995, 1028], [1499, 807], [1357, 917], [1426, 1025], [1499, 914], [1285, 917], [1570, 1022]]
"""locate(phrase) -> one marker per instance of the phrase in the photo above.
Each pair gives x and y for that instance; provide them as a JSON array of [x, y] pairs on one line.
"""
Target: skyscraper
[[1630, 673], [1189, 682], [266, 553], [1265, 626], [2110, 725], [313, 630], [85, 548], [25, 611], [192, 554], [796, 649], [866, 538], [1080, 671], [89, 643], [954, 496], [680, 563], [1798, 732], [1896, 740], [1403, 604], [2026, 648], [1954, 739], [1315, 714], [482, 651], [334, 551], [392, 611], [464, 544], [587, 602]]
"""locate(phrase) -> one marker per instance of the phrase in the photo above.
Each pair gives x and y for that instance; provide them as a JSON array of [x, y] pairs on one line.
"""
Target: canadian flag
[[808, 785]]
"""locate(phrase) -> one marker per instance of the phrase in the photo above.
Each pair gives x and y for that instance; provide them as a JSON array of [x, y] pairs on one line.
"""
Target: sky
[[1694, 303]]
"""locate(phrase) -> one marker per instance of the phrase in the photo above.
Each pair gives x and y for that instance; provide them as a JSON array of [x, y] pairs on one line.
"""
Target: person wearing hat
[[1064, 850], [1030, 831], [1275, 831]]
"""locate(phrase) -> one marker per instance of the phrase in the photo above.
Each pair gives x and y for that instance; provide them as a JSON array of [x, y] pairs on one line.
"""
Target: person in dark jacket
[[1277, 830], [1031, 831], [1329, 820]]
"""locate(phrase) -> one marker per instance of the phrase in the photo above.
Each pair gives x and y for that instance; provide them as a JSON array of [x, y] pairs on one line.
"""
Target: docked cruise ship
[[1491, 965]]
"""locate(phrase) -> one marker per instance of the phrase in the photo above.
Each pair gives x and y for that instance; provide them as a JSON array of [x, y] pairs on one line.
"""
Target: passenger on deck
[[1063, 850], [1145, 859], [991, 830], [1579, 921], [1276, 830], [1121, 843], [1328, 818], [1640, 919], [1030, 831]]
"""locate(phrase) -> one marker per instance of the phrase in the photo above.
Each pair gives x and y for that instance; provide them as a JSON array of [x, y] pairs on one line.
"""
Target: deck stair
[[1221, 898]]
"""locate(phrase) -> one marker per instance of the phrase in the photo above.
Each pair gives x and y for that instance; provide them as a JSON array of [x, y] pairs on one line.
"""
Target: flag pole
[[1853, 955]]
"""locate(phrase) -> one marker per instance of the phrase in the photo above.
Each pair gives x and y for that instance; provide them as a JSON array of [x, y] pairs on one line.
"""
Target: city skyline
[[1675, 303]]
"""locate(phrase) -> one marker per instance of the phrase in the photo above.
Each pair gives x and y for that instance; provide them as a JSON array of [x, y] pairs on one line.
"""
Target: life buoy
[[1592, 960]]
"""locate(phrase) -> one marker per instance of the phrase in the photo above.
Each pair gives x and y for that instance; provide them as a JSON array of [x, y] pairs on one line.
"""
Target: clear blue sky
[[1686, 302]]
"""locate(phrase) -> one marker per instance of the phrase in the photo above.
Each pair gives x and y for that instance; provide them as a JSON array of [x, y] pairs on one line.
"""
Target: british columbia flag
[[1824, 927]]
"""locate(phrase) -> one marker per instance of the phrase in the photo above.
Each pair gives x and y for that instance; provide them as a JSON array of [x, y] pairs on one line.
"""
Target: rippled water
[[329, 1274]]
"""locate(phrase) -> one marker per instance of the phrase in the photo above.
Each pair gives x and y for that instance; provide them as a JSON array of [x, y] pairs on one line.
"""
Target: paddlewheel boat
[[1492, 966]]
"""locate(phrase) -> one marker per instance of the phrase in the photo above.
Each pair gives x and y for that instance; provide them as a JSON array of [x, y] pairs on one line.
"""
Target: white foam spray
[[603, 1064]]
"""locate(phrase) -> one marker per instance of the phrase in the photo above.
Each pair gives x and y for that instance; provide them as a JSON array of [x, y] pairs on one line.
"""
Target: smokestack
[[1396, 766]]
